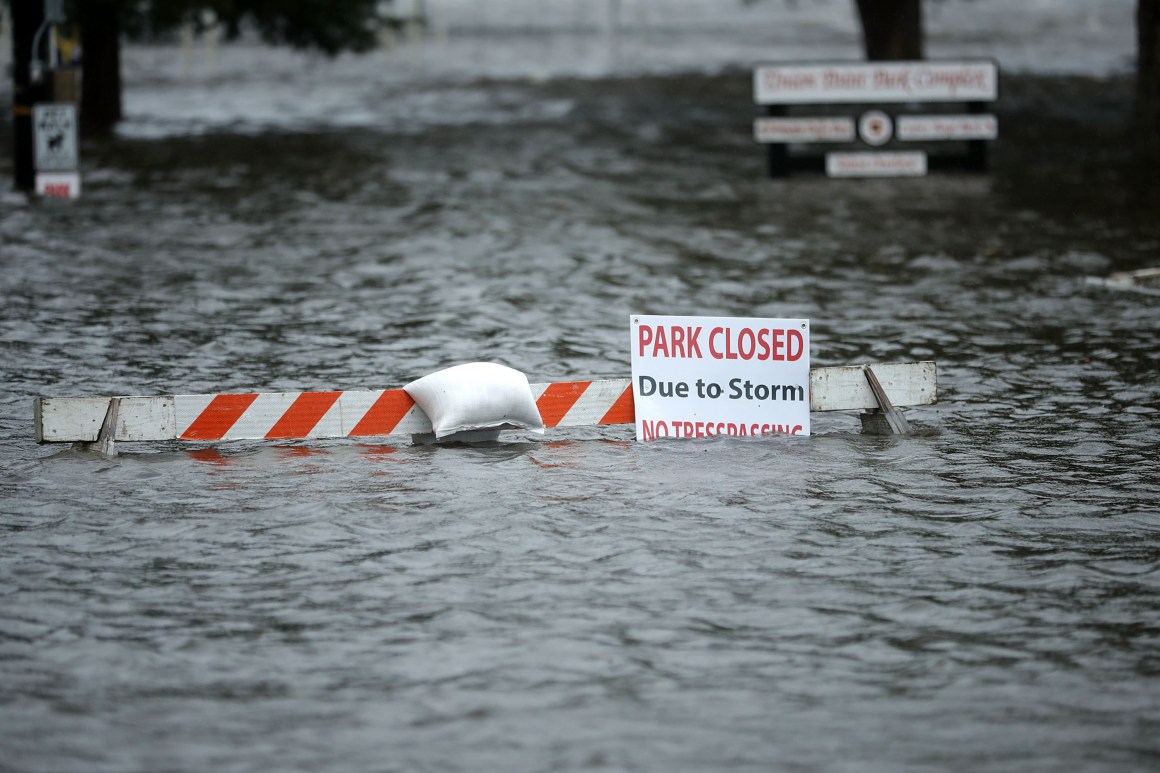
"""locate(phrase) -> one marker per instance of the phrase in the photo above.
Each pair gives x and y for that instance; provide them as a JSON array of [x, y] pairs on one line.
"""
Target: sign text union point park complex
[[872, 119]]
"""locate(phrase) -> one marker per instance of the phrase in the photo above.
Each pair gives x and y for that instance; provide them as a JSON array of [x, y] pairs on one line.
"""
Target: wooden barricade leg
[[106, 440], [886, 419]]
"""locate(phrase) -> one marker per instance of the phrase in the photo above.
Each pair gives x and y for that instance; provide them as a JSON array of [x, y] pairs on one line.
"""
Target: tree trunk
[[1148, 78], [101, 68], [891, 29]]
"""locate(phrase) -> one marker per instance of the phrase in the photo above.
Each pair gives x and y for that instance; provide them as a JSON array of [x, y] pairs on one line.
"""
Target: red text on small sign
[[722, 343], [651, 430]]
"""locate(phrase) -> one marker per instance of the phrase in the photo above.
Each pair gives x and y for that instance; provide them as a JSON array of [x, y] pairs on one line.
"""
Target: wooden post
[[100, 106], [106, 440], [1148, 79], [778, 151], [891, 29], [976, 160], [27, 17]]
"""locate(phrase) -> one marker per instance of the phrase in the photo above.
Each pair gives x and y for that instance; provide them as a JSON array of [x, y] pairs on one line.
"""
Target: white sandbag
[[476, 396]]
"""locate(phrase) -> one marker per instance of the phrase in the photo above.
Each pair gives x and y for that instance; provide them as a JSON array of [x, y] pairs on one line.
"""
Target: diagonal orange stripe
[[303, 414], [385, 414], [222, 413], [558, 399], [623, 411]]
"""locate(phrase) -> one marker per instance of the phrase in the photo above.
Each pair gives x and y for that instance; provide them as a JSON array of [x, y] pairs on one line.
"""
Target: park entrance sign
[[704, 376], [903, 114]]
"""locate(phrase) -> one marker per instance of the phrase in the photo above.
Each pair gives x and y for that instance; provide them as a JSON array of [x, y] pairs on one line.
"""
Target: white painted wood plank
[[845, 388], [69, 419], [79, 419], [146, 418]]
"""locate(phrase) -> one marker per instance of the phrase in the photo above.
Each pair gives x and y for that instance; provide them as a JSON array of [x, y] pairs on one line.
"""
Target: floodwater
[[981, 595]]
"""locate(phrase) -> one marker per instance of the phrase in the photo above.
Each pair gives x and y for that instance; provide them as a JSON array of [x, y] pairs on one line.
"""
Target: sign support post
[[976, 160], [778, 151]]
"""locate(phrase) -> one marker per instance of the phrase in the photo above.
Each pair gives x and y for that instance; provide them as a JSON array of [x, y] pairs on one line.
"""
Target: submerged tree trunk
[[891, 29], [1148, 78], [101, 70]]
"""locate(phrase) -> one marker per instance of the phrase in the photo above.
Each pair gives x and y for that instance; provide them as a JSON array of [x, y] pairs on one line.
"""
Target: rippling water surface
[[982, 595]]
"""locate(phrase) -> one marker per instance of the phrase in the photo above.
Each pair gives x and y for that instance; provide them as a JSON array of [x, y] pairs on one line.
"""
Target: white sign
[[54, 129], [58, 185], [916, 128], [804, 129], [910, 163], [705, 376], [799, 84]]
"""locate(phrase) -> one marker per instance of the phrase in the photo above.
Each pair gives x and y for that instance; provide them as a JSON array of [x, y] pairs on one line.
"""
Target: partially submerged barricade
[[1145, 281], [101, 422], [895, 132]]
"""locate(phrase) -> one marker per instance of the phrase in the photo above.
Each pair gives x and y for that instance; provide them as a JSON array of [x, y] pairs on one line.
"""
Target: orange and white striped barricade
[[365, 414]]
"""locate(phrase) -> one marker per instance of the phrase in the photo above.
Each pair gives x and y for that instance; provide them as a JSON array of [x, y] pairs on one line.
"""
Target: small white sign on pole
[[704, 376], [55, 137]]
